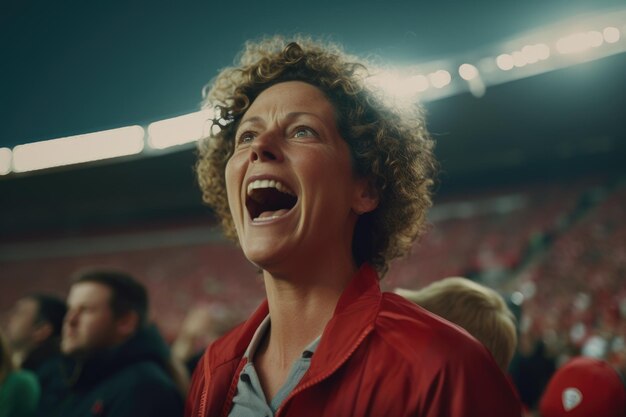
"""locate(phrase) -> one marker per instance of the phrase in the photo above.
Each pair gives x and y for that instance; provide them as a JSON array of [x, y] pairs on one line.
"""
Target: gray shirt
[[250, 401]]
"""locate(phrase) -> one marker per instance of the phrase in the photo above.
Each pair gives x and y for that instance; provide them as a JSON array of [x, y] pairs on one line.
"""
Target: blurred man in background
[[117, 365]]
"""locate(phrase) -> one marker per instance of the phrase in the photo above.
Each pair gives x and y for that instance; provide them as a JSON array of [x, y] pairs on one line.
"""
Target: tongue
[[269, 214]]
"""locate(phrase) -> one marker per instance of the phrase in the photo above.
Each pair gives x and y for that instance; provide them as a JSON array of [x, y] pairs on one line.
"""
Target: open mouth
[[269, 199]]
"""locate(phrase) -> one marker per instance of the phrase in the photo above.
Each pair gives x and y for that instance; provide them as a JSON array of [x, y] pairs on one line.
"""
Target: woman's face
[[290, 185]]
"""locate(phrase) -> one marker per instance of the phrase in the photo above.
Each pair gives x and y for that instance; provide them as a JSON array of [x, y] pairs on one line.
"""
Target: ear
[[127, 324], [42, 331], [365, 197]]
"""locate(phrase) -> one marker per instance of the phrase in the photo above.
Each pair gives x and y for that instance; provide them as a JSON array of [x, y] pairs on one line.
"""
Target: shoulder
[[20, 386], [141, 374], [448, 369], [403, 319], [424, 339], [22, 380], [140, 381], [143, 388]]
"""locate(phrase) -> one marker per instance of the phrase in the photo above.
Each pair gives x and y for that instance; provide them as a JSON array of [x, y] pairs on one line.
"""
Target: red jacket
[[379, 355]]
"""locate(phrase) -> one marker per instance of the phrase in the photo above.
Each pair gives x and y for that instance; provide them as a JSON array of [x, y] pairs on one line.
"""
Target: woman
[[323, 185]]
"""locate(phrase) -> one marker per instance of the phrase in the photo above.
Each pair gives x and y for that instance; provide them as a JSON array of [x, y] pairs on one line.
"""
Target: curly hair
[[388, 145]]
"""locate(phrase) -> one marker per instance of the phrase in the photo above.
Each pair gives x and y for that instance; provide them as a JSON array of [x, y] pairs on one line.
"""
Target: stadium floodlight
[[419, 82], [530, 54], [468, 72], [399, 87], [579, 42], [440, 78], [611, 34], [519, 60], [542, 50], [394, 85], [475, 84], [595, 38], [5, 161], [70, 150], [180, 130], [505, 62], [555, 46]]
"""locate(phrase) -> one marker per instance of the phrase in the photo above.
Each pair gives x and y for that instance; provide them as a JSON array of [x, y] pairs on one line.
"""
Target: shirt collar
[[260, 332]]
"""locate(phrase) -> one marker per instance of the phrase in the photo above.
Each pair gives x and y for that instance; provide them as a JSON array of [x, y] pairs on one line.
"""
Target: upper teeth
[[269, 184]]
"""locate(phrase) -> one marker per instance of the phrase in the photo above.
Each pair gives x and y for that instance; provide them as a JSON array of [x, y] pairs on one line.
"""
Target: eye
[[304, 132], [245, 138]]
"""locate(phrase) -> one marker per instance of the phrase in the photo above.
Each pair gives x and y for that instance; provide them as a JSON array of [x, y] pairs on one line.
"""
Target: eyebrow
[[288, 117]]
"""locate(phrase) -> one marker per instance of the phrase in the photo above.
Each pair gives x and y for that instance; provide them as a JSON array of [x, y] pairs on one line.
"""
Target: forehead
[[291, 97], [92, 293], [27, 304]]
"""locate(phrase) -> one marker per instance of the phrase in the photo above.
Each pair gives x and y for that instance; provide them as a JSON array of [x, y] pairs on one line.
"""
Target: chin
[[278, 262], [68, 350], [70, 347], [262, 260], [262, 253]]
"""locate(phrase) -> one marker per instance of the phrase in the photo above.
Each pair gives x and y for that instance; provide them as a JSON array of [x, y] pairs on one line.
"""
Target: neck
[[301, 307], [19, 356]]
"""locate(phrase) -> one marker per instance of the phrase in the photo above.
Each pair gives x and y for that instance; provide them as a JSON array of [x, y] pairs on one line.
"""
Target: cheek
[[234, 174], [334, 178], [233, 179], [229, 176], [90, 321], [97, 325]]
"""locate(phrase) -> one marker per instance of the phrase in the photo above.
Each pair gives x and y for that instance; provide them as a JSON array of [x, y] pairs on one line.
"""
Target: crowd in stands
[[556, 252], [574, 291]]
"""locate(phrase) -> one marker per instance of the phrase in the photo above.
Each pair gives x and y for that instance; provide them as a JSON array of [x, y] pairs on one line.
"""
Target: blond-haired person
[[476, 308], [323, 185]]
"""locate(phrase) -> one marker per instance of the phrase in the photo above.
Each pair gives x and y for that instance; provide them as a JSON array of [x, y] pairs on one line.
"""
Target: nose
[[71, 317], [266, 148]]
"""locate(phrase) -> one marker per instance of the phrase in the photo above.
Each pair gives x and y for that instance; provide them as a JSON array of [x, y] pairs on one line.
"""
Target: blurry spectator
[[19, 390], [585, 387], [202, 326], [34, 328], [478, 309], [34, 333], [531, 368], [117, 365]]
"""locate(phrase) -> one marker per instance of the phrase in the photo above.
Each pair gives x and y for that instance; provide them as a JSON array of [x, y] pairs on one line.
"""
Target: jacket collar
[[352, 321]]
